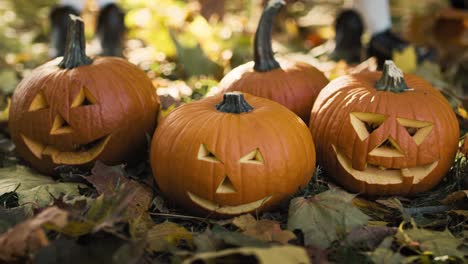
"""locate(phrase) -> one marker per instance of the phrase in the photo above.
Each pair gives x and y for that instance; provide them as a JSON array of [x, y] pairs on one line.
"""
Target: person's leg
[[110, 28], [58, 21], [348, 31], [383, 43]]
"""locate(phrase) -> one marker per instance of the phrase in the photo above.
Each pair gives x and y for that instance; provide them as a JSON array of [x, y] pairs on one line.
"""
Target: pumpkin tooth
[[228, 210]]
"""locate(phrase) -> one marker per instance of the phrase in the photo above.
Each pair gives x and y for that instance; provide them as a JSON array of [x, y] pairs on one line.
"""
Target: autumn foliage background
[[186, 47]]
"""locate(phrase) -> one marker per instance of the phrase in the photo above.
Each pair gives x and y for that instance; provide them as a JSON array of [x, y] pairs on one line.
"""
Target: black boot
[[460, 4], [349, 29], [384, 43], [58, 30], [110, 30]]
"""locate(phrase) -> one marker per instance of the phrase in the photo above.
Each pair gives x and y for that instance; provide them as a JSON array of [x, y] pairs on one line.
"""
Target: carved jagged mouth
[[378, 175], [228, 210], [83, 154]]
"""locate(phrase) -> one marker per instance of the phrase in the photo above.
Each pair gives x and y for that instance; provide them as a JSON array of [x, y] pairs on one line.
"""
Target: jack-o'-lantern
[[292, 84], [384, 133], [238, 156], [75, 110]]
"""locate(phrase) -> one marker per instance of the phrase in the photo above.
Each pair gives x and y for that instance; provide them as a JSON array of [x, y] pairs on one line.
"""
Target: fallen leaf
[[235, 238], [33, 189], [325, 217], [11, 217], [163, 236], [265, 230], [455, 197], [27, 237], [109, 180], [101, 213], [90, 250], [318, 255], [438, 243], [273, 255], [206, 242], [369, 236], [385, 255]]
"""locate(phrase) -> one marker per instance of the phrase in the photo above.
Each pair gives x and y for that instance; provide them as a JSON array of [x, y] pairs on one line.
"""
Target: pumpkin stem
[[392, 79], [75, 46], [263, 52], [234, 103]]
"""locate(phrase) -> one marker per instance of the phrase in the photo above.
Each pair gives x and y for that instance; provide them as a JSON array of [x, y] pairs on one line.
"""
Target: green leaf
[[384, 254], [33, 188], [325, 217], [436, 243]]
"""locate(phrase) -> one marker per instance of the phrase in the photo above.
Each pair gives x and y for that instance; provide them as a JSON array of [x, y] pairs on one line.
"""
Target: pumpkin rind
[[292, 84], [106, 107], [410, 163], [265, 154]]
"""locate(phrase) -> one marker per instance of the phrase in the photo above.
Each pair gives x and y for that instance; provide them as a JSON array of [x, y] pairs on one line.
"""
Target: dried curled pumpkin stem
[[263, 54], [75, 46], [392, 79], [234, 103]]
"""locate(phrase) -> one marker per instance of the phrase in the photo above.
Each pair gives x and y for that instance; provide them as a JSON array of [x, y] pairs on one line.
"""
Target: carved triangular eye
[[365, 123], [226, 186], [418, 130], [39, 102], [205, 154], [60, 126], [388, 148], [83, 98], [254, 157]]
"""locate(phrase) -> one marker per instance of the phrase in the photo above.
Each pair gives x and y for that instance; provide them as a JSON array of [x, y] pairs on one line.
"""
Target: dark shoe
[[349, 28], [384, 43], [58, 32], [110, 30], [461, 4]]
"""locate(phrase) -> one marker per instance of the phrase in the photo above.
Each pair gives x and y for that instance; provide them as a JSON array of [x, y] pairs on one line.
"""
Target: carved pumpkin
[[234, 157], [292, 84], [380, 137], [74, 110]]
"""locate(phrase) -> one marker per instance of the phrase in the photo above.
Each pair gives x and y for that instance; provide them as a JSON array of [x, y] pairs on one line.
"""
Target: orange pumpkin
[[379, 137], [74, 110], [292, 84], [234, 157]]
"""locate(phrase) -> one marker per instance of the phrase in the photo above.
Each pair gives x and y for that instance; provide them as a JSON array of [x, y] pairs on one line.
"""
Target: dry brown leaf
[[455, 197], [163, 236], [110, 179], [265, 230], [27, 237]]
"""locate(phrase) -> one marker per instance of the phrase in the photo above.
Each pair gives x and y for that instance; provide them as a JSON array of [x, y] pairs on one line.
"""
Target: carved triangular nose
[[388, 148], [226, 186], [60, 126]]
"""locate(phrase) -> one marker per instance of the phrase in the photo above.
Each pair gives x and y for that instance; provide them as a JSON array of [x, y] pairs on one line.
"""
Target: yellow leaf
[[406, 60], [161, 237], [272, 255], [462, 112], [5, 112]]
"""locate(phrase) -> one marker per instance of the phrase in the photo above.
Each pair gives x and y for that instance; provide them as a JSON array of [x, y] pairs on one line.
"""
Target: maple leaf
[[265, 230], [325, 217], [27, 237]]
